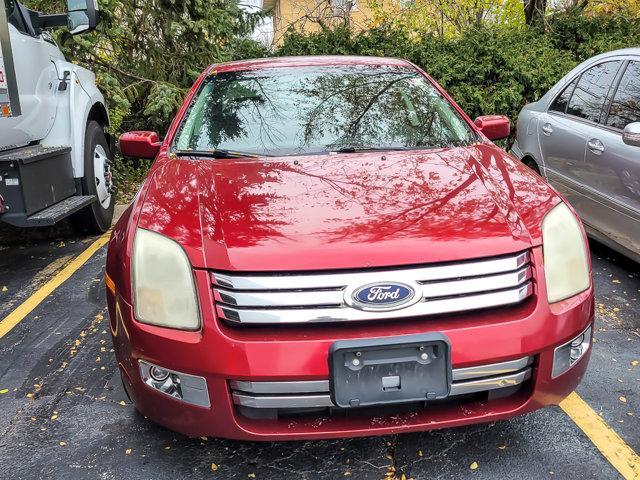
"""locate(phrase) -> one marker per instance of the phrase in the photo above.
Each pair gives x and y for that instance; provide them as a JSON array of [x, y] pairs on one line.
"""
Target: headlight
[[164, 292], [566, 266]]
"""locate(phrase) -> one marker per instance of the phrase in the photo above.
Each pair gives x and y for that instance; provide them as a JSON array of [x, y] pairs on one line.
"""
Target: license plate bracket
[[390, 370]]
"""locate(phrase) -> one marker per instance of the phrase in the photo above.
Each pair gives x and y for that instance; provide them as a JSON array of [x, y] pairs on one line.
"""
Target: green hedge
[[486, 71]]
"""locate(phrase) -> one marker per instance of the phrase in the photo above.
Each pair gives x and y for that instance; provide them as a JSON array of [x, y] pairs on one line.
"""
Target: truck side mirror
[[82, 15], [139, 144], [494, 127], [631, 134]]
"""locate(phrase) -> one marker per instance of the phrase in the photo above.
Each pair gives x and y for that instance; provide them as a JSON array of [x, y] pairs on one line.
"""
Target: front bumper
[[236, 361]]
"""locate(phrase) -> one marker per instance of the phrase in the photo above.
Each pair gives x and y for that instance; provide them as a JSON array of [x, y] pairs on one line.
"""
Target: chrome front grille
[[291, 298], [315, 393]]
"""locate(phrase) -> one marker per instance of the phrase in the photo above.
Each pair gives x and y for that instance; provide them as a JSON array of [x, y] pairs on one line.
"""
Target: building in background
[[309, 15], [263, 32]]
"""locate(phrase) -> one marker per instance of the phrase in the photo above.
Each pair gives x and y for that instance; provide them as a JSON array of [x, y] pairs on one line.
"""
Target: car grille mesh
[[301, 298]]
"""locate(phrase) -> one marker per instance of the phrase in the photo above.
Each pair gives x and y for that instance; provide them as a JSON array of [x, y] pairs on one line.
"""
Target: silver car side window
[[625, 107], [591, 91], [562, 100]]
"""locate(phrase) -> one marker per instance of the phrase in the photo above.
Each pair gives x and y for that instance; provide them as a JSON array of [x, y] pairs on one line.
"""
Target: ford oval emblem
[[383, 296]]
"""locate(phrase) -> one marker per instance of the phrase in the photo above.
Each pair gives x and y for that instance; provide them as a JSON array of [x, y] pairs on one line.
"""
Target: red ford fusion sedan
[[329, 247]]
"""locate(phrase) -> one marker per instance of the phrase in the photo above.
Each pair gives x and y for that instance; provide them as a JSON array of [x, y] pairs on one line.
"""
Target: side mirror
[[631, 134], [494, 127], [82, 15], [139, 144]]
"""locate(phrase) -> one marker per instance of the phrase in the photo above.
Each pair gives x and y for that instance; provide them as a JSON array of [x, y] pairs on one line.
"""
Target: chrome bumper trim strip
[[324, 400], [491, 369], [322, 386]]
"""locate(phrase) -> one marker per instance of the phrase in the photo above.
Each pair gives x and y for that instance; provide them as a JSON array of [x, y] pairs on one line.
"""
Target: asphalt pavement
[[64, 415]]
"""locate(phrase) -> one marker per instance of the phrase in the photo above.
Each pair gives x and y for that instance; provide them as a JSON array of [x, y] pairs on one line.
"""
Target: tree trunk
[[534, 11]]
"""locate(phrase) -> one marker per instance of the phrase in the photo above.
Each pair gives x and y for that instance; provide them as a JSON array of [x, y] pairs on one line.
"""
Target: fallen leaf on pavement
[[623, 399], [474, 466], [214, 467], [4, 390], [128, 451]]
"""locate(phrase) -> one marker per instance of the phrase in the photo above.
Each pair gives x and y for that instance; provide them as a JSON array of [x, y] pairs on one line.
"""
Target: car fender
[[80, 99], [527, 142]]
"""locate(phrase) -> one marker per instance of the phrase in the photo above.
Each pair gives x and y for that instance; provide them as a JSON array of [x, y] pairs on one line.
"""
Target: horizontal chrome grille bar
[[324, 400], [322, 386], [473, 268], [328, 297], [336, 297], [342, 314]]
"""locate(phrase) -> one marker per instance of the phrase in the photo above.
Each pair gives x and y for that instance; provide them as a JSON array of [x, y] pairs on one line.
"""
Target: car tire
[[97, 180], [529, 162]]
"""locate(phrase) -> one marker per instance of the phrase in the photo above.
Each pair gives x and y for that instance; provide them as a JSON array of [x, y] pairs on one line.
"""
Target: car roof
[[626, 51], [613, 53], [308, 61], [546, 99]]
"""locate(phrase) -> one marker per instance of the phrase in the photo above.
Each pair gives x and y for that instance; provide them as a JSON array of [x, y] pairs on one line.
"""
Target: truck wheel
[[98, 181]]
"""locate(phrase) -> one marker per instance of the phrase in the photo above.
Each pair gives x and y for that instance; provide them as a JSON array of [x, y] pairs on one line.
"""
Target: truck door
[[36, 80]]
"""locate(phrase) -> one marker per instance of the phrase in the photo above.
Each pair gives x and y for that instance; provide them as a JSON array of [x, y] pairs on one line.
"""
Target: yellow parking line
[[26, 307], [618, 453]]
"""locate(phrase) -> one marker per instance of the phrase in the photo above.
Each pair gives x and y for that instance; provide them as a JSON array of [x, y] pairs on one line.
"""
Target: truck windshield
[[307, 110]]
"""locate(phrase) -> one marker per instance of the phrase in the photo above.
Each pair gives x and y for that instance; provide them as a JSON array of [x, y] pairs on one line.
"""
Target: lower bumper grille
[[315, 393]]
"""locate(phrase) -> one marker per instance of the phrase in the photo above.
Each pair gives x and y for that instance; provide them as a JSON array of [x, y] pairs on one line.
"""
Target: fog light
[[159, 374], [181, 386], [566, 355], [576, 342]]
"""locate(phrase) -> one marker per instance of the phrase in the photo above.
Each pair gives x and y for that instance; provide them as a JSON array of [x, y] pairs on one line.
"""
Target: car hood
[[347, 210]]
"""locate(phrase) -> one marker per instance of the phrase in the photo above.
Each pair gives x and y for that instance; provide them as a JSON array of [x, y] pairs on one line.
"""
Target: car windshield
[[307, 110]]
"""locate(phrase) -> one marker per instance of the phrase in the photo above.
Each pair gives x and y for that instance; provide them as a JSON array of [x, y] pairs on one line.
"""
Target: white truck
[[55, 151]]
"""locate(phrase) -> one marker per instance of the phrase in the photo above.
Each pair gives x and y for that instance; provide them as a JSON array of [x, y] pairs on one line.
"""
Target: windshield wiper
[[353, 149], [215, 153]]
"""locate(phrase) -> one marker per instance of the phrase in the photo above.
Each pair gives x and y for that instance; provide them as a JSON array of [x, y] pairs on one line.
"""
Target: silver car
[[583, 135]]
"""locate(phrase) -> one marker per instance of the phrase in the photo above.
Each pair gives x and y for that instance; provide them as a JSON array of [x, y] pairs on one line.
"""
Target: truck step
[[50, 215], [32, 154], [60, 210]]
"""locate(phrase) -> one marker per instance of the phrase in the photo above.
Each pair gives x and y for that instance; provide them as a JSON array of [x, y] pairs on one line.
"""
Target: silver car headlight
[[164, 292], [566, 263]]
